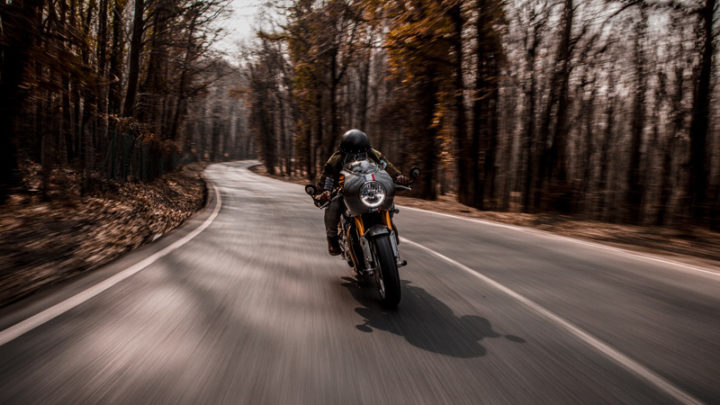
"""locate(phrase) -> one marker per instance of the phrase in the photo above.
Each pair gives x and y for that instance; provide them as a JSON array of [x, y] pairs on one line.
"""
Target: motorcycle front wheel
[[388, 279]]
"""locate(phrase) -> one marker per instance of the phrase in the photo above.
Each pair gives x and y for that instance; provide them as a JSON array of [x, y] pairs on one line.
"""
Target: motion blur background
[[597, 108]]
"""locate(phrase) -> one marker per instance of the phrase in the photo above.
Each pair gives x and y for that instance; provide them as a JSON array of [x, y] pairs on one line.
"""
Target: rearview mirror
[[414, 172], [311, 189]]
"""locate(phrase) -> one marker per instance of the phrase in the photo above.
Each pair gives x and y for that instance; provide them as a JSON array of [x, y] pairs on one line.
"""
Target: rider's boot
[[334, 245]]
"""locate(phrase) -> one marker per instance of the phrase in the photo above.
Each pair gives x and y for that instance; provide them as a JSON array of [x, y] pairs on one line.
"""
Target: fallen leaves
[[42, 243]]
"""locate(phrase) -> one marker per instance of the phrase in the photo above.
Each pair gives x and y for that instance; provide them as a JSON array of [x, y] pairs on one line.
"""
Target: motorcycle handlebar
[[333, 196]]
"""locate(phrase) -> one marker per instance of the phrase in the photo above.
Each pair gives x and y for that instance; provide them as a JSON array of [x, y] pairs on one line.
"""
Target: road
[[243, 305]]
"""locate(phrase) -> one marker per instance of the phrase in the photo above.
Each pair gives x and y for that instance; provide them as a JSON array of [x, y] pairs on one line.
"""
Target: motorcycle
[[368, 237]]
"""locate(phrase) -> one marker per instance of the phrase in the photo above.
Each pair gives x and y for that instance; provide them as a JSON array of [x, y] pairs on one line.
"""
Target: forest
[[600, 109], [596, 108], [113, 89]]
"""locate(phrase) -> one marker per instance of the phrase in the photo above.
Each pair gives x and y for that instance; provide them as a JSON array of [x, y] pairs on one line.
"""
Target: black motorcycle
[[368, 238]]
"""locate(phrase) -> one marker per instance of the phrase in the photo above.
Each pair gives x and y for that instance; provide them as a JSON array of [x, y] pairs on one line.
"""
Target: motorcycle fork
[[386, 218], [368, 257], [393, 239], [365, 244], [350, 252]]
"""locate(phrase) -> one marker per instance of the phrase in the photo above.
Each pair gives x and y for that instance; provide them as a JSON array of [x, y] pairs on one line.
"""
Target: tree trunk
[[670, 147], [529, 141], [134, 68], [19, 19], [479, 128], [634, 195], [560, 197], [699, 124], [116, 54], [461, 154], [101, 69], [102, 37], [429, 153], [607, 141], [180, 105], [333, 135], [492, 113], [364, 87]]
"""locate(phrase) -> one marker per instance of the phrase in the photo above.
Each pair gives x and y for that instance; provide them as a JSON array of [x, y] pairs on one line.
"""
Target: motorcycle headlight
[[372, 194]]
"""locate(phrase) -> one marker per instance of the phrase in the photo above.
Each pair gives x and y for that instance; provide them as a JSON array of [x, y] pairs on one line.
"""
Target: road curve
[[251, 309]]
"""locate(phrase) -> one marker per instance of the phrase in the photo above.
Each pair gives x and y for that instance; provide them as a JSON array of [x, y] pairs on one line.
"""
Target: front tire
[[388, 279]]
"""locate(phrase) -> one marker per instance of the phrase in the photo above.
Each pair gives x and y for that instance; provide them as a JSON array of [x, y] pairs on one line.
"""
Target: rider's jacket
[[335, 164]]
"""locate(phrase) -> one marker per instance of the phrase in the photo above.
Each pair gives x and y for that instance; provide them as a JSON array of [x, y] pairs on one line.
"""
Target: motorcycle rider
[[354, 145]]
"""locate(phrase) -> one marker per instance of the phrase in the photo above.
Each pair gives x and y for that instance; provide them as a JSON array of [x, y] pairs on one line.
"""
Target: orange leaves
[[418, 39]]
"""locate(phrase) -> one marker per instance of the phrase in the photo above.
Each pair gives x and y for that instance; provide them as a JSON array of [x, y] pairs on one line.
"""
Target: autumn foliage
[[597, 108], [105, 88]]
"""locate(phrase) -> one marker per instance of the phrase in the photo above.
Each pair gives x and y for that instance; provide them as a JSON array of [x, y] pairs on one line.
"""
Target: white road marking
[[56, 310], [616, 250], [625, 361]]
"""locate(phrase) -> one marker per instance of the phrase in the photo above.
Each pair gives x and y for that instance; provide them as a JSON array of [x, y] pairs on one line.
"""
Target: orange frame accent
[[360, 225], [387, 220]]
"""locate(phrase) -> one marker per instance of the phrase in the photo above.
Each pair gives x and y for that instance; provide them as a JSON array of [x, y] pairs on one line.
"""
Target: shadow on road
[[425, 322]]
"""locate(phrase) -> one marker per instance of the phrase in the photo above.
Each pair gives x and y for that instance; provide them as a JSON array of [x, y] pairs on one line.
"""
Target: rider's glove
[[403, 180], [324, 196]]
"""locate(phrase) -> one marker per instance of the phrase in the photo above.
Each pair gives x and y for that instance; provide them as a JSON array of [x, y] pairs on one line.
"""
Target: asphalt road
[[243, 305]]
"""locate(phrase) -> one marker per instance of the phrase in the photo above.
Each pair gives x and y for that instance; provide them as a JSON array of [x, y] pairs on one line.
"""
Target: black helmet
[[354, 141]]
